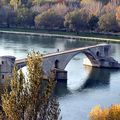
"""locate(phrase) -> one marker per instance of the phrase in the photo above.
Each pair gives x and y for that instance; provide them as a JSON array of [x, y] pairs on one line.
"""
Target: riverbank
[[101, 37]]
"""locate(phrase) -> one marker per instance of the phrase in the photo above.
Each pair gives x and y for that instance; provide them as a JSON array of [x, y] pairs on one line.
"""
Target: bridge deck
[[63, 52]]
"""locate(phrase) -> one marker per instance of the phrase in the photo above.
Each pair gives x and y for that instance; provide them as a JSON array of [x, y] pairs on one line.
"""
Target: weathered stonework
[[6, 66], [98, 56]]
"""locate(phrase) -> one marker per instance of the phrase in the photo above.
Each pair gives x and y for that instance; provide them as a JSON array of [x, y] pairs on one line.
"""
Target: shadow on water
[[97, 78], [61, 89]]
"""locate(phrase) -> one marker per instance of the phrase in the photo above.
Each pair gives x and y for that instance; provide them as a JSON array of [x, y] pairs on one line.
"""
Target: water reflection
[[30, 40], [21, 45], [97, 78], [61, 89], [76, 43]]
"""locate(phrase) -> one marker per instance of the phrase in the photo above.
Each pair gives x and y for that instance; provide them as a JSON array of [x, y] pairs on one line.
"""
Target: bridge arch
[[59, 63], [88, 54]]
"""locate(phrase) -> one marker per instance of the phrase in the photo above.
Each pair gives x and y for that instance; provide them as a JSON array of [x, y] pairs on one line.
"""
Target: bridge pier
[[61, 75]]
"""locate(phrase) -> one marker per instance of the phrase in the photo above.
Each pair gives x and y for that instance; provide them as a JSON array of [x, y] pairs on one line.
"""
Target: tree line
[[70, 15]]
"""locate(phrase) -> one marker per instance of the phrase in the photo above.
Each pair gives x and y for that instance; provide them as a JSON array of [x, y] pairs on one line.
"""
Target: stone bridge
[[97, 56]]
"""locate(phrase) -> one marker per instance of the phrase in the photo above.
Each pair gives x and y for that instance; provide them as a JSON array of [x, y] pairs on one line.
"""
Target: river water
[[86, 87]]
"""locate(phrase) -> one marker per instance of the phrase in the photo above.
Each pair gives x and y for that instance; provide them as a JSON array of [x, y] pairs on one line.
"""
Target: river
[[86, 87]]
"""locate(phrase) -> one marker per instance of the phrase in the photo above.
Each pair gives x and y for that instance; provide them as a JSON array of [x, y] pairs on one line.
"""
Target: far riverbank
[[101, 37]]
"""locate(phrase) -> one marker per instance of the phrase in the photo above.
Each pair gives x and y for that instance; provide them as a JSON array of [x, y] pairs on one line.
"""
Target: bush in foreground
[[111, 113]]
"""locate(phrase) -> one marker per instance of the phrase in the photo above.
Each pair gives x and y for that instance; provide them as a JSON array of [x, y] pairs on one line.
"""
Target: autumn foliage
[[51, 14], [111, 113], [30, 98]]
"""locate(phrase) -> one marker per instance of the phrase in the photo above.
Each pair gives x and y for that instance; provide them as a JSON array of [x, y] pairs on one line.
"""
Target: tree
[[14, 102], [15, 3], [77, 20], [111, 113], [107, 22], [38, 2], [93, 6], [2, 17], [104, 1], [12, 19], [4, 2], [25, 17], [30, 98], [60, 9], [93, 22], [49, 20], [118, 15], [109, 8], [40, 9], [5, 15]]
